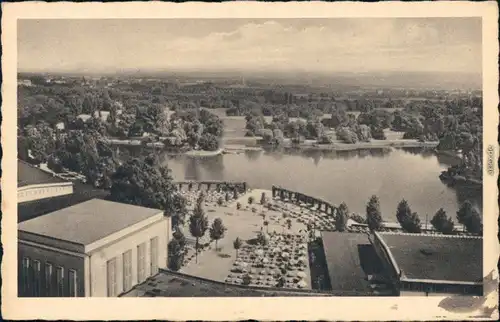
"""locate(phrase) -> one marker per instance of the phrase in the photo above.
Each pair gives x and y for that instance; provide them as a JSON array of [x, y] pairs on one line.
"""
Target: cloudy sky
[[347, 44]]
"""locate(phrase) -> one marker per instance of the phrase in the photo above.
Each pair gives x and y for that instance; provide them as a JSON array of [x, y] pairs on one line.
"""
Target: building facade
[[112, 247]]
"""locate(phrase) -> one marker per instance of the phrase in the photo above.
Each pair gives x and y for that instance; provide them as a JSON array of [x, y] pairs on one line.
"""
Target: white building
[[96, 248]]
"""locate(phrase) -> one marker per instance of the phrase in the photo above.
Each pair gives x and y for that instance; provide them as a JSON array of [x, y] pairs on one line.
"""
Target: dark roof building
[[30, 175], [440, 264], [350, 259], [175, 284], [39, 207]]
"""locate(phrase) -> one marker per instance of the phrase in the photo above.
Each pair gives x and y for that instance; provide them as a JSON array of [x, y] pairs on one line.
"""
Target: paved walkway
[[242, 223]]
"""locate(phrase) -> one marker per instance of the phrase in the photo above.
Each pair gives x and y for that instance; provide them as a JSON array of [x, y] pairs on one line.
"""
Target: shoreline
[[240, 148], [376, 144], [203, 153]]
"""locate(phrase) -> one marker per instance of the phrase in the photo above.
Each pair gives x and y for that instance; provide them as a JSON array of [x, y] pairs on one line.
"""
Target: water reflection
[[253, 155], [391, 174], [423, 152]]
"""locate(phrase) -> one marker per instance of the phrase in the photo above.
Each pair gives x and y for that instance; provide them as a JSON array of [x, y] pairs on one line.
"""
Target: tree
[[266, 224], [238, 205], [235, 194], [281, 281], [409, 221], [237, 243], [175, 255], [220, 201], [347, 135], [208, 142], [403, 212], [217, 230], [373, 215], [246, 279], [263, 198], [228, 197], [250, 200], [144, 184], [179, 210], [412, 224], [87, 152], [262, 239], [198, 224], [442, 223], [41, 141], [469, 218], [342, 215]]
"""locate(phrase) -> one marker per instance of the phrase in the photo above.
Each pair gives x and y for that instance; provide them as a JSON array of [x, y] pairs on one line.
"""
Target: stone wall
[[297, 197], [241, 187]]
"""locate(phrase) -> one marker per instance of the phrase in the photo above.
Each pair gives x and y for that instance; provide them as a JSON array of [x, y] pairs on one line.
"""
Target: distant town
[[178, 185]]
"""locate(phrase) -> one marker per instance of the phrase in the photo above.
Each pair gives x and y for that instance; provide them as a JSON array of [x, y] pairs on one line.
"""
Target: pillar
[[209, 185]]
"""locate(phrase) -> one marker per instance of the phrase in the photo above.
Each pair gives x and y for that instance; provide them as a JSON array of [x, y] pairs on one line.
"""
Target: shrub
[[246, 279]]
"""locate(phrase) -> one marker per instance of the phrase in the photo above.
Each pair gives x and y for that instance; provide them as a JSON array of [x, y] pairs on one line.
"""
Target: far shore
[[204, 153], [337, 146], [375, 144]]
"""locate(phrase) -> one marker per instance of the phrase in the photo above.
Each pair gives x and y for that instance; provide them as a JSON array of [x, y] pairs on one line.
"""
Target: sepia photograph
[[220, 157]]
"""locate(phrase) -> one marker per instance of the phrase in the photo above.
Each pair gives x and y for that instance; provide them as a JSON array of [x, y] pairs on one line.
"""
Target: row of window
[[40, 191], [111, 267], [440, 288], [42, 282]]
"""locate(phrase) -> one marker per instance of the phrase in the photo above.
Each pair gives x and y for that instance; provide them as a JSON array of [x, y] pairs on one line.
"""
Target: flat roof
[[28, 174], [174, 284], [350, 257], [437, 257], [35, 208], [88, 221]]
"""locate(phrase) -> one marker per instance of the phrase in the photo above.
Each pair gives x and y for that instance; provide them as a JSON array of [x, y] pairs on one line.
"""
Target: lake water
[[347, 176]]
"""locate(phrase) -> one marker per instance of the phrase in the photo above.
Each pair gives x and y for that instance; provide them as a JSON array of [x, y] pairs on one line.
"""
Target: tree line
[[410, 221]]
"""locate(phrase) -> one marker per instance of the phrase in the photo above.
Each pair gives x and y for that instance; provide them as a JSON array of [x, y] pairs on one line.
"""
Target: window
[[127, 270], [25, 273], [112, 287], [73, 286], [37, 285], [141, 263], [48, 280], [60, 281], [154, 255]]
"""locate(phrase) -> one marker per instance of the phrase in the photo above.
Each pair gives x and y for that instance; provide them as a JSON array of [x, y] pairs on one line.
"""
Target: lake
[[340, 176]]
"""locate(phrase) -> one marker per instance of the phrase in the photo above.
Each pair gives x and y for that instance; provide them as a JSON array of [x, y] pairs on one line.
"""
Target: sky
[[322, 45]]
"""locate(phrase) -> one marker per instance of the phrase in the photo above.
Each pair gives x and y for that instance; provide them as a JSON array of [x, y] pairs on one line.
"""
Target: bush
[[358, 218], [246, 279]]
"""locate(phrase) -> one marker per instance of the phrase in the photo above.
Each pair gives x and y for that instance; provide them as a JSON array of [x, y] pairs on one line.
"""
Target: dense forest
[[57, 118]]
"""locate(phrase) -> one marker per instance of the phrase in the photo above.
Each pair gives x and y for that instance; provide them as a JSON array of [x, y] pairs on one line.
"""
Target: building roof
[[35, 208], [88, 221], [175, 284], [350, 258], [30, 175], [437, 257]]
